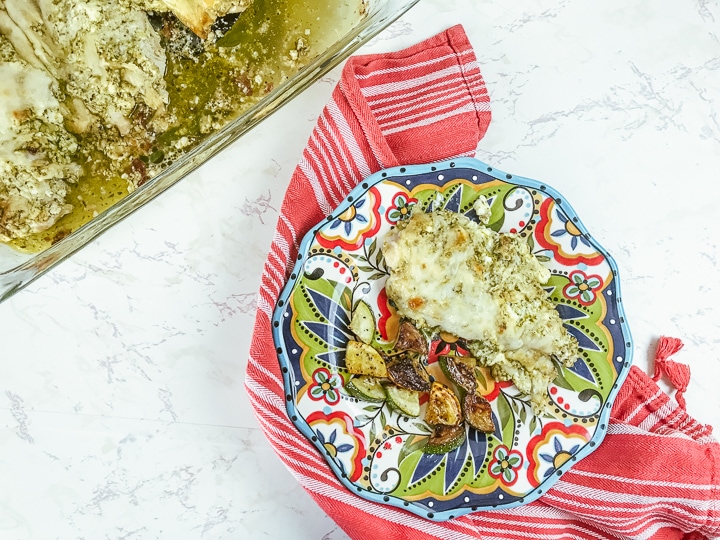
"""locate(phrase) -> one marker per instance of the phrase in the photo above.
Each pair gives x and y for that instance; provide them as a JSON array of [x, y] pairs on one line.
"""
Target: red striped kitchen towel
[[656, 473]]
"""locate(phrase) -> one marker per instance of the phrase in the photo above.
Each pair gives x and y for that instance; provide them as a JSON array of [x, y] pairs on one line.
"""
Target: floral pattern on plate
[[377, 452]]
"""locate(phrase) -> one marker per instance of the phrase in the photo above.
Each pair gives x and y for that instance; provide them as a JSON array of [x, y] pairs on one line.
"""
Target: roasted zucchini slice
[[410, 339], [362, 322], [458, 372], [362, 359], [469, 361], [403, 400], [366, 388], [478, 412], [445, 439], [443, 406], [406, 371]]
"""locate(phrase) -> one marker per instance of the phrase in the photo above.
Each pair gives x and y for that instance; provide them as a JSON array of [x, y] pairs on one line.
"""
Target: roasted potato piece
[[406, 372], [478, 412], [362, 359], [443, 406], [410, 339]]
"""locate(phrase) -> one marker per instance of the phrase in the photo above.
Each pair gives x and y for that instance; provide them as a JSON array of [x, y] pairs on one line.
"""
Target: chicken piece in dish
[[198, 15], [36, 151]]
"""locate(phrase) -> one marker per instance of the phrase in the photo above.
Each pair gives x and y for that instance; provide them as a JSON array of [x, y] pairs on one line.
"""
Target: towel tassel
[[678, 374]]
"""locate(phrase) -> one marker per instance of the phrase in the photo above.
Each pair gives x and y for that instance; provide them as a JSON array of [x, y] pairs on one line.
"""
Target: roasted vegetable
[[362, 322], [366, 388], [458, 372], [406, 372], [443, 406], [403, 400], [469, 361], [408, 380], [445, 439], [478, 413], [362, 359], [410, 339]]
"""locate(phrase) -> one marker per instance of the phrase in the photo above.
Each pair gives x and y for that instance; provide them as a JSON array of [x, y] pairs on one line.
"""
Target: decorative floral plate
[[377, 452]]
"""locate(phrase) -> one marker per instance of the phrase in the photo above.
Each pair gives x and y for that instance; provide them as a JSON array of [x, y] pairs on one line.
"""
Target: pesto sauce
[[270, 42]]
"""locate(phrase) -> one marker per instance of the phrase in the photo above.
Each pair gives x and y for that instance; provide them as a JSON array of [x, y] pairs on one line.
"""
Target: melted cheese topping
[[451, 274]]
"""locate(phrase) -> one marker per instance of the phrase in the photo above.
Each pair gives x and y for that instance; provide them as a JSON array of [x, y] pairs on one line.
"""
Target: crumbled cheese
[[452, 274], [482, 210]]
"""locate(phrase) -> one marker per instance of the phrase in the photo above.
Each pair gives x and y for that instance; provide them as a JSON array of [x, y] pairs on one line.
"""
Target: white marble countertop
[[122, 408]]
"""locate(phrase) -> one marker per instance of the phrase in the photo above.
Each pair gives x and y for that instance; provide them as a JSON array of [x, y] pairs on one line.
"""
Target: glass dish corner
[[18, 269]]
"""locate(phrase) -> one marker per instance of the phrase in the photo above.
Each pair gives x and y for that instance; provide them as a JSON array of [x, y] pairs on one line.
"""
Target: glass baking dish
[[18, 269]]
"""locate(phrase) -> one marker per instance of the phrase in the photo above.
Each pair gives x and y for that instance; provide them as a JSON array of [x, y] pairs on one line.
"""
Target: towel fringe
[[678, 374]]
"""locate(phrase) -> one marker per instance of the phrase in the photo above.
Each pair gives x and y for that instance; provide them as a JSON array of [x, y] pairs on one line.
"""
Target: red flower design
[[557, 233], [342, 441]]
